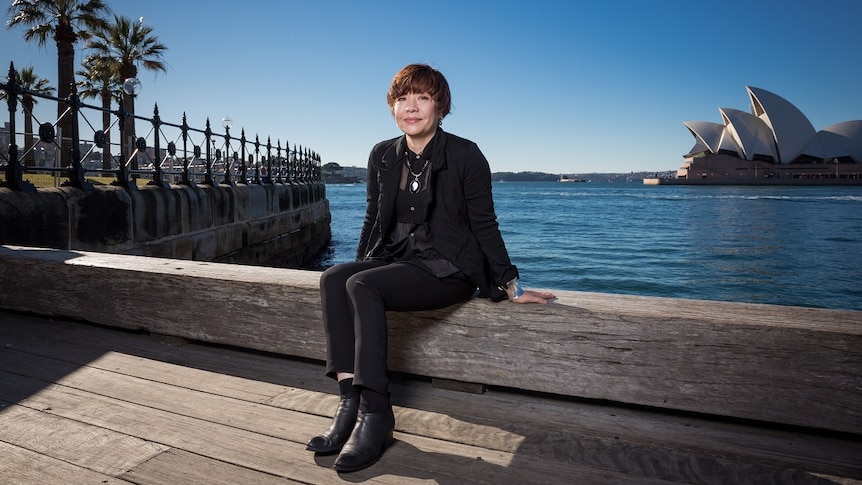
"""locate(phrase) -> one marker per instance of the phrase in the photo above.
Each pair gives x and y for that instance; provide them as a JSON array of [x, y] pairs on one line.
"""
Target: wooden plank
[[208, 409], [581, 418], [414, 459], [547, 428], [178, 466], [222, 370], [788, 365], [198, 369], [182, 467], [263, 452], [247, 416], [93, 448], [492, 409], [688, 449], [19, 466]]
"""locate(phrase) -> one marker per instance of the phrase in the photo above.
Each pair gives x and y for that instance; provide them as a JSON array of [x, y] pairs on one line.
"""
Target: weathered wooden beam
[[780, 364]]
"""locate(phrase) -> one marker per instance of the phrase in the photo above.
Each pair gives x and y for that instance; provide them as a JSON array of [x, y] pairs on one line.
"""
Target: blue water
[[780, 245]]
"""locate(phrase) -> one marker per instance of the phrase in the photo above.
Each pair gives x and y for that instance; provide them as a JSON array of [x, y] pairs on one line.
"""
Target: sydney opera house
[[774, 143]]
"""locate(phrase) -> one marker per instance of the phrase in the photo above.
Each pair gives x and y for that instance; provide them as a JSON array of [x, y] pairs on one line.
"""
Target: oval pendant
[[414, 187]]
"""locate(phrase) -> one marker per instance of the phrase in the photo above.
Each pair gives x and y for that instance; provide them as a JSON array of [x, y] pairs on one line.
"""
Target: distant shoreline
[[352, 175], [795, 182]]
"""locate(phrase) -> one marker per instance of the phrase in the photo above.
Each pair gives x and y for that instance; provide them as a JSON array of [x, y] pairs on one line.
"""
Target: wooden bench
[[778, 364]]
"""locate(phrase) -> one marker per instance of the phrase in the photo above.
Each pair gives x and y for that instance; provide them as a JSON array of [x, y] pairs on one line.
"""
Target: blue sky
[[552, 86]]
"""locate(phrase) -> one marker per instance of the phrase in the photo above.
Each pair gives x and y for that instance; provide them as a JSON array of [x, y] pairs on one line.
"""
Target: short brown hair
[[421, 78]]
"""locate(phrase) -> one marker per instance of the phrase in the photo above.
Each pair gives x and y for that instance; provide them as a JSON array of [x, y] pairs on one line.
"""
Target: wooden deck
[[786, 365], [83, 404]]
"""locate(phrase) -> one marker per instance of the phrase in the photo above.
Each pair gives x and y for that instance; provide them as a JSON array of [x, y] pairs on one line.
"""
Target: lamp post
[[131, 88]]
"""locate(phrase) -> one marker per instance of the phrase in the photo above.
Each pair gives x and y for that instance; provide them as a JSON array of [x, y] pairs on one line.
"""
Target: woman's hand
[[531, 296]]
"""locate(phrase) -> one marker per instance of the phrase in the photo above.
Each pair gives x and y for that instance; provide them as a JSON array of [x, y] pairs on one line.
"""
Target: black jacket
[[461, 218]]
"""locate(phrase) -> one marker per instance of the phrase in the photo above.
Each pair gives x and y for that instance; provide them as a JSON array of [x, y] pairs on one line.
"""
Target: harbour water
[[778, 245]]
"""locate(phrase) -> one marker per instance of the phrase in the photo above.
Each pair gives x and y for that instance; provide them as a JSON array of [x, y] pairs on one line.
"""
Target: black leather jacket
[[461, 218]]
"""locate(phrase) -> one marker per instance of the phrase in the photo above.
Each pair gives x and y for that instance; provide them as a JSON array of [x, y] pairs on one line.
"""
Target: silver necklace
[[414, 184]]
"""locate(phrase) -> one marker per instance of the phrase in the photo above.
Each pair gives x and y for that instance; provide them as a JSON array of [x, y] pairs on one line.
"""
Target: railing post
[[303, 158], [123, 179], [257, 159], [269, 178], [294, 160], [14, 168], [208, 176], [299, 166], [279, 161], [306, 166], [243, 169], [289, 163], [309, 167], [185, 178], [227, 165], [76, 171], [157, 162]]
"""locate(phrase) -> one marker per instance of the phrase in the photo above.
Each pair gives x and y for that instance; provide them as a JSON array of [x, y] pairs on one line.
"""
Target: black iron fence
[[167, 153]]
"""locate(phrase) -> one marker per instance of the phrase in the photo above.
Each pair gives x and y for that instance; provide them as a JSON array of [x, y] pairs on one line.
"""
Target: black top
[[409, 240], [457, 204]]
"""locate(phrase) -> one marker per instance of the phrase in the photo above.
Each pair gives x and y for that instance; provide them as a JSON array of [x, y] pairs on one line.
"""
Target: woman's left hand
[[531, 296]]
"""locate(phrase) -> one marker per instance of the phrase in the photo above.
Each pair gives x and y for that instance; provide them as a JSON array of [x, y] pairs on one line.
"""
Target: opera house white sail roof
[[776, 131]]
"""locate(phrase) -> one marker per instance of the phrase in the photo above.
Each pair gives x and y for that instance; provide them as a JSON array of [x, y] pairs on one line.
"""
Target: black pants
[[355, 297]]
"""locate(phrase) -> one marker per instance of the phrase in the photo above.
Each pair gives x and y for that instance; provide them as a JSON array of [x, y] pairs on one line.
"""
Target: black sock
[[373, 402], [346, 387]]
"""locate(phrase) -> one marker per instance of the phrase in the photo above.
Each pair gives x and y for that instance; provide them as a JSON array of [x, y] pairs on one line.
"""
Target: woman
[[429, 240]]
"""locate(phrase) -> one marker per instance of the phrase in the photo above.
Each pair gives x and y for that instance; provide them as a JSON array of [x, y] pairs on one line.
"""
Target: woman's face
[[416, 114]]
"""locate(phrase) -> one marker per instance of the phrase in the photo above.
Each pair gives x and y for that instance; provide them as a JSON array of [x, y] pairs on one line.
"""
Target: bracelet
[[513, 289]]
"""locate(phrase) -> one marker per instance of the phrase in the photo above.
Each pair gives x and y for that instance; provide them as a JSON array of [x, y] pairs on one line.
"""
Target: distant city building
[[774, 142], [44, 153], [5, 141]]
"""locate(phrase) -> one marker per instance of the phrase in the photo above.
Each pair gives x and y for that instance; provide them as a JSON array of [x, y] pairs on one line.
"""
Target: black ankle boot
[[334, 438], [373, 431]]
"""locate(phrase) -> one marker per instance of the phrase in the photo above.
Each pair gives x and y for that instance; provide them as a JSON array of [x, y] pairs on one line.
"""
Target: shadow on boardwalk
[[86, 404]]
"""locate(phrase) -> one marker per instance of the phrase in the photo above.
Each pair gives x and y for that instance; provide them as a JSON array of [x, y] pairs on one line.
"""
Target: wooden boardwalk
[[82, 404]]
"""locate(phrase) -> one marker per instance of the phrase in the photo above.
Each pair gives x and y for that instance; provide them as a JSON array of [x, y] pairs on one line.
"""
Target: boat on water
[[565, 178]]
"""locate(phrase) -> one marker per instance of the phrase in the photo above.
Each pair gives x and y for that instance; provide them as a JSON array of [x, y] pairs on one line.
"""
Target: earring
[[440, 122]]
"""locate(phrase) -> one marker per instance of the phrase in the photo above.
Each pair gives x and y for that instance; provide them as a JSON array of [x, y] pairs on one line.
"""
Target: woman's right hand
[[532, 296]]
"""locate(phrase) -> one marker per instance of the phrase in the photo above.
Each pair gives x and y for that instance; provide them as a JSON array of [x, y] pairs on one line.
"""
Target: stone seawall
[[279, 225]]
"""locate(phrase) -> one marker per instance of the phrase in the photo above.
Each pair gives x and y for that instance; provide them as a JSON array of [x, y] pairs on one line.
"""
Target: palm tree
[[32, 83], [99, 80], [129, 43], [68, 21]]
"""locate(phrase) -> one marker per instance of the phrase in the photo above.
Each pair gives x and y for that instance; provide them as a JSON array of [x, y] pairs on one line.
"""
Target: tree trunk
[[27, 104], [106, 123], [129, 71], [65, 38]]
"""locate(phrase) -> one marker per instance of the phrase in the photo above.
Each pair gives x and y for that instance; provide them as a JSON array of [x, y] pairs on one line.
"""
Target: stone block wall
[[255, 224]]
